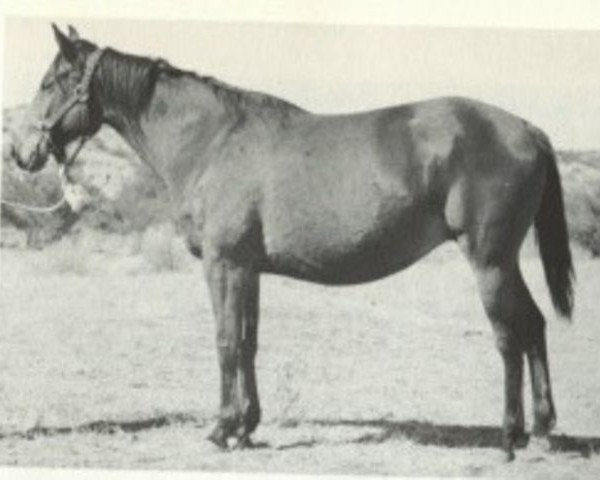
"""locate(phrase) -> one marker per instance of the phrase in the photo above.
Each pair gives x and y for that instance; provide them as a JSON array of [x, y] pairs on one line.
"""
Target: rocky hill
[[125, 195]]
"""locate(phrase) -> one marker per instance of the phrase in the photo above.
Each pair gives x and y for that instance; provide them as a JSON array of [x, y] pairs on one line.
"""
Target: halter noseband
[[81, 94]]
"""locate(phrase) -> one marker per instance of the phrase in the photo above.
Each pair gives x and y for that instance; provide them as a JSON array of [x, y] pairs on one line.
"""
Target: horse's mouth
[[33, 162]]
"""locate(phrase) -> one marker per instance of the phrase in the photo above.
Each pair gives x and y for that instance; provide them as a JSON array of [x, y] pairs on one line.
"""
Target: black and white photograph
[[299, 247]]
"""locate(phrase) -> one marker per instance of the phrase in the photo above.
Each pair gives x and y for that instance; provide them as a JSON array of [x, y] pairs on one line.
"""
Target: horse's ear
[[73, 34], [66, 45]]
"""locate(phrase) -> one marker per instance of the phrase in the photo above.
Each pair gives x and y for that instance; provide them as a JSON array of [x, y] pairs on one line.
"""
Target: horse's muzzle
[[31, 156]]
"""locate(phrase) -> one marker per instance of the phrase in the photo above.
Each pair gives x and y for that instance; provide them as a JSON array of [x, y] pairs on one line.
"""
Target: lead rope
[[74, 195], [36, 209]]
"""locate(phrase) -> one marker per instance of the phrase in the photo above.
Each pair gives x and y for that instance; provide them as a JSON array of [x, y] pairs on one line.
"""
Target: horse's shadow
[[419, 432], [454, 436], [104, 427]]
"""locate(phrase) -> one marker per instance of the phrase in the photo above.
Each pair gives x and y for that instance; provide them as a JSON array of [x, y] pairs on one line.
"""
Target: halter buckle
[[81, 92]]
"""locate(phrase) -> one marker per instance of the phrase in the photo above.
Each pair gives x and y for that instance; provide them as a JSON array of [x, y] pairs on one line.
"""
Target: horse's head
[[63, 109]]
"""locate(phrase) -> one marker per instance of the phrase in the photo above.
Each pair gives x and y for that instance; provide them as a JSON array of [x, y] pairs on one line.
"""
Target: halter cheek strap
[[81, 93]]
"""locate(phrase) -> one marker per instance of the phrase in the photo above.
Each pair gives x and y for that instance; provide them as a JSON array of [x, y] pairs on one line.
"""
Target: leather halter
[[81, 95]]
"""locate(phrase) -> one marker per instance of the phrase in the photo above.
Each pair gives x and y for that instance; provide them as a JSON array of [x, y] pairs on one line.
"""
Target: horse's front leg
[[248, 389], [231, 285]]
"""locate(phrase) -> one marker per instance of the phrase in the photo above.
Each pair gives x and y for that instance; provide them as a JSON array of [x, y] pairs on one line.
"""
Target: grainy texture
[[120, 371]]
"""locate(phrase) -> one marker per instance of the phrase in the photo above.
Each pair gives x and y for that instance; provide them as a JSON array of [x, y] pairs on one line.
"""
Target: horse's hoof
[[218, 439], [244, 442], [508, 456]]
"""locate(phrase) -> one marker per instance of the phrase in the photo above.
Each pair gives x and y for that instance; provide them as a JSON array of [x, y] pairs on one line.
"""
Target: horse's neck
[[180, 121], [175, 119]]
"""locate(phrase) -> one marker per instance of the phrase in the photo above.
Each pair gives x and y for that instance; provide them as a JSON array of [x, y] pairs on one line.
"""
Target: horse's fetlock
[[544, 417]]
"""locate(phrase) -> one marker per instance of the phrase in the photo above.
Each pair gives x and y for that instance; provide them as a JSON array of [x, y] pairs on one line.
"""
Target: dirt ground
[[400, 377]]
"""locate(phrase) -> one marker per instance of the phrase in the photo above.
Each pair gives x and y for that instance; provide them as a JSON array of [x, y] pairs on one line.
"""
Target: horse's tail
[[553, 238]]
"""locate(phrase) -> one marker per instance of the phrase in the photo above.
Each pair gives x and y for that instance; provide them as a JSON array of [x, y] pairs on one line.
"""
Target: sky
[[549, 77]]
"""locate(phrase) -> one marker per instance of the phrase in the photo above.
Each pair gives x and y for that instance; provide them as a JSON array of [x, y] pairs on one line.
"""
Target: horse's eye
[[56, 78]]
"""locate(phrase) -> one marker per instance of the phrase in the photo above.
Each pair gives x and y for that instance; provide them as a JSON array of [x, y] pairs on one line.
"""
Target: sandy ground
[[399, 377]]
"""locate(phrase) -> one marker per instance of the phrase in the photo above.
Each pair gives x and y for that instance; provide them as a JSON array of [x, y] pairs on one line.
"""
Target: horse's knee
[[228, 354]]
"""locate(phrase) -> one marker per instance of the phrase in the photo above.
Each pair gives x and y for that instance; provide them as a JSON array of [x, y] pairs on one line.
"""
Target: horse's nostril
[[14, 154]]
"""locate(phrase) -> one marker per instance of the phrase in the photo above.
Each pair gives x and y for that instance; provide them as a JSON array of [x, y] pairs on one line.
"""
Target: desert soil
[[400, 377]]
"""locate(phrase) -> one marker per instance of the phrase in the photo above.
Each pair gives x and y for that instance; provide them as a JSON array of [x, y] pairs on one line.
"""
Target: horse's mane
[[235, 97], [129, 80]]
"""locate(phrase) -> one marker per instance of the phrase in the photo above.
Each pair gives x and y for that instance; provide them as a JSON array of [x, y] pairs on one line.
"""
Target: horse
[[260, 185]]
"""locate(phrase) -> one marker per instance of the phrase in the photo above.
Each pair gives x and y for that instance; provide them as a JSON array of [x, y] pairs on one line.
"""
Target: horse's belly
[[334, 256]]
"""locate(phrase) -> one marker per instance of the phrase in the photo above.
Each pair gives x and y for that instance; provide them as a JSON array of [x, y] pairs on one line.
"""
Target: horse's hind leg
[[519, 329], [501, 302]]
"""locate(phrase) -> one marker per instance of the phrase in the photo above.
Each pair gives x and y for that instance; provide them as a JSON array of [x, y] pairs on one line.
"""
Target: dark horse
[[260, 185]]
